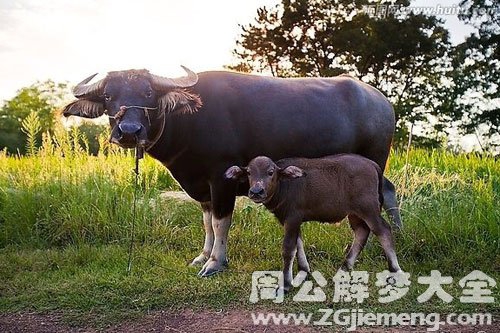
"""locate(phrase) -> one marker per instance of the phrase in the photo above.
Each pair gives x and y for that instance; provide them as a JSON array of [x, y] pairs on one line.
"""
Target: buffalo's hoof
[[212, 267], [199, 260], [398, 225]]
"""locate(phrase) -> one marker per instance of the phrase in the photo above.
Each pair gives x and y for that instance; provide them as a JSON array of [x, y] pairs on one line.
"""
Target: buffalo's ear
[[292, 172], [180, 101], [235, 173], [83, 108]]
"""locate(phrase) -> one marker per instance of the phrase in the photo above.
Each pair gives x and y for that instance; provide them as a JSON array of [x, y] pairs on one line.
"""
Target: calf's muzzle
[[256, 193]]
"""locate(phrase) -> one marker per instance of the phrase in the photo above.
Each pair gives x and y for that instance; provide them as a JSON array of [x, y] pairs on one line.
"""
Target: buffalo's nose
[[129, 128], [256, 191]]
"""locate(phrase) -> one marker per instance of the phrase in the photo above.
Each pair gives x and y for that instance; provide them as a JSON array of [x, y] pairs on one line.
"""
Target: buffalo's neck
[[172, 143], [175, 151]]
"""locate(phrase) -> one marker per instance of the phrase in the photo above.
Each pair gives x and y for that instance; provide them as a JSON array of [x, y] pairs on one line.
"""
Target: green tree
[[43, 99], [475, 99], [404, 56]]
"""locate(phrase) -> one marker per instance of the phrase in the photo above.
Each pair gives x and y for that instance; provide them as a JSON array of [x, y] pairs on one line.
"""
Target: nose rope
[[124, 109], [146, 109]]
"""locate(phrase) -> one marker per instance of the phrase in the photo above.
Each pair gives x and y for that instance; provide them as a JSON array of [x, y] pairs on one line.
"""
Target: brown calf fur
[[324, 189]]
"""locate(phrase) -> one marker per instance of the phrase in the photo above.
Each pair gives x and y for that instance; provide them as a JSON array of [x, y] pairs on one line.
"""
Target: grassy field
[[65, 222]]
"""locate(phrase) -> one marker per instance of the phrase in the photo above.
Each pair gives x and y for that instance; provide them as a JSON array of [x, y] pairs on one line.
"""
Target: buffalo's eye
[[270, 172], [107, 97], [149, 94]]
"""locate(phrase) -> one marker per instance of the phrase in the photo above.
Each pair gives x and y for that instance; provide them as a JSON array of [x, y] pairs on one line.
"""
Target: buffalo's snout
[[129, 128], [129, 134]]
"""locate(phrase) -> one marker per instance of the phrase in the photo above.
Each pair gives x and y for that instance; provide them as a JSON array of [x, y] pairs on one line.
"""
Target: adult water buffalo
[[201, 124]]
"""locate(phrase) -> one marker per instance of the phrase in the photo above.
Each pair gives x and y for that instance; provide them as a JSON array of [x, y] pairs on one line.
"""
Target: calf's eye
[[270, 172], [149, 94], [107, 97]]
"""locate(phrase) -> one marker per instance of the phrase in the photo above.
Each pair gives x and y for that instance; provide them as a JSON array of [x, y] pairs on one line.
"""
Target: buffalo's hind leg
[[361, 233], [391, 205], [209, 235]]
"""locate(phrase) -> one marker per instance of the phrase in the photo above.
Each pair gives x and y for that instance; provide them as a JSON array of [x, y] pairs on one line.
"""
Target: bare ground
[[188, 321]]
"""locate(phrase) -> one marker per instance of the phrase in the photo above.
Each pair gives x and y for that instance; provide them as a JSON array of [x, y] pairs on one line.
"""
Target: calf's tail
[[380, 186]]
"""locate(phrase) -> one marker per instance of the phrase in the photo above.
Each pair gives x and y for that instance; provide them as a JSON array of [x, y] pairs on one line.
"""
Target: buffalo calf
[[323, 189]]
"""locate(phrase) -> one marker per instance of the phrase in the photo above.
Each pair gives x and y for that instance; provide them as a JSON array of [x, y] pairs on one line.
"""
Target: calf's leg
[[301, 256], [289, 249], [383, 232], [209, 235], [361, 233]]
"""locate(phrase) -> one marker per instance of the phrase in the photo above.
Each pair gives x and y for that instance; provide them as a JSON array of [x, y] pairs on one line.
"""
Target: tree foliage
[[42, 99], [33, 113], [404, 56], [476, 74]]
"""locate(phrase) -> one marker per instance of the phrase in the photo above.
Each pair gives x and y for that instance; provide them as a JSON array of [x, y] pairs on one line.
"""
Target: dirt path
[[179, 195], [188, 321]]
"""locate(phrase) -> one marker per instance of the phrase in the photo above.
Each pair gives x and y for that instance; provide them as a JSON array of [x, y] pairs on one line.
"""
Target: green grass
[[65, 228]]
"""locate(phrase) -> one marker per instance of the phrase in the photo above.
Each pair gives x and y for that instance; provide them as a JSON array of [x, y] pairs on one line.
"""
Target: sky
[[69, 40], [66, 40]]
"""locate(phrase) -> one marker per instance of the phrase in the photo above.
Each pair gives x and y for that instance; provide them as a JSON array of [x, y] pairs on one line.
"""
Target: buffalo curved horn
[[165, 83], [83, 89]]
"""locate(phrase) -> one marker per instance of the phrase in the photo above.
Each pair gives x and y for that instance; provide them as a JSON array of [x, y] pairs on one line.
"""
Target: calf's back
[[333, 187]]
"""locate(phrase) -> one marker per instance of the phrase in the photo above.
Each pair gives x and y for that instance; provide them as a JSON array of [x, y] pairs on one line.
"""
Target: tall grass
[[61, 195], [65, 225]]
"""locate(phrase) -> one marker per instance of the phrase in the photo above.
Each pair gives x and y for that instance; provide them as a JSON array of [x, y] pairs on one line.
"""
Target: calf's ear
[[292, 172], [83, 108], [235, 172]]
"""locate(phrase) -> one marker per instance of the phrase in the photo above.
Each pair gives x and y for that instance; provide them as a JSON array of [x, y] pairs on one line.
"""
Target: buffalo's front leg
[[223, 198], [209, 235]]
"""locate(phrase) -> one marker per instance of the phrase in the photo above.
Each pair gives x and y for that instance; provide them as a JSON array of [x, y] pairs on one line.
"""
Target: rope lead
[[139, 154]]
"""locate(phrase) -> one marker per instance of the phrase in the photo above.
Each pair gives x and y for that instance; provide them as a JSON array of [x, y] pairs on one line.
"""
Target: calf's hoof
[[286, 288], [305, 269], [346, 267], [199, 260], [212, 266]]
